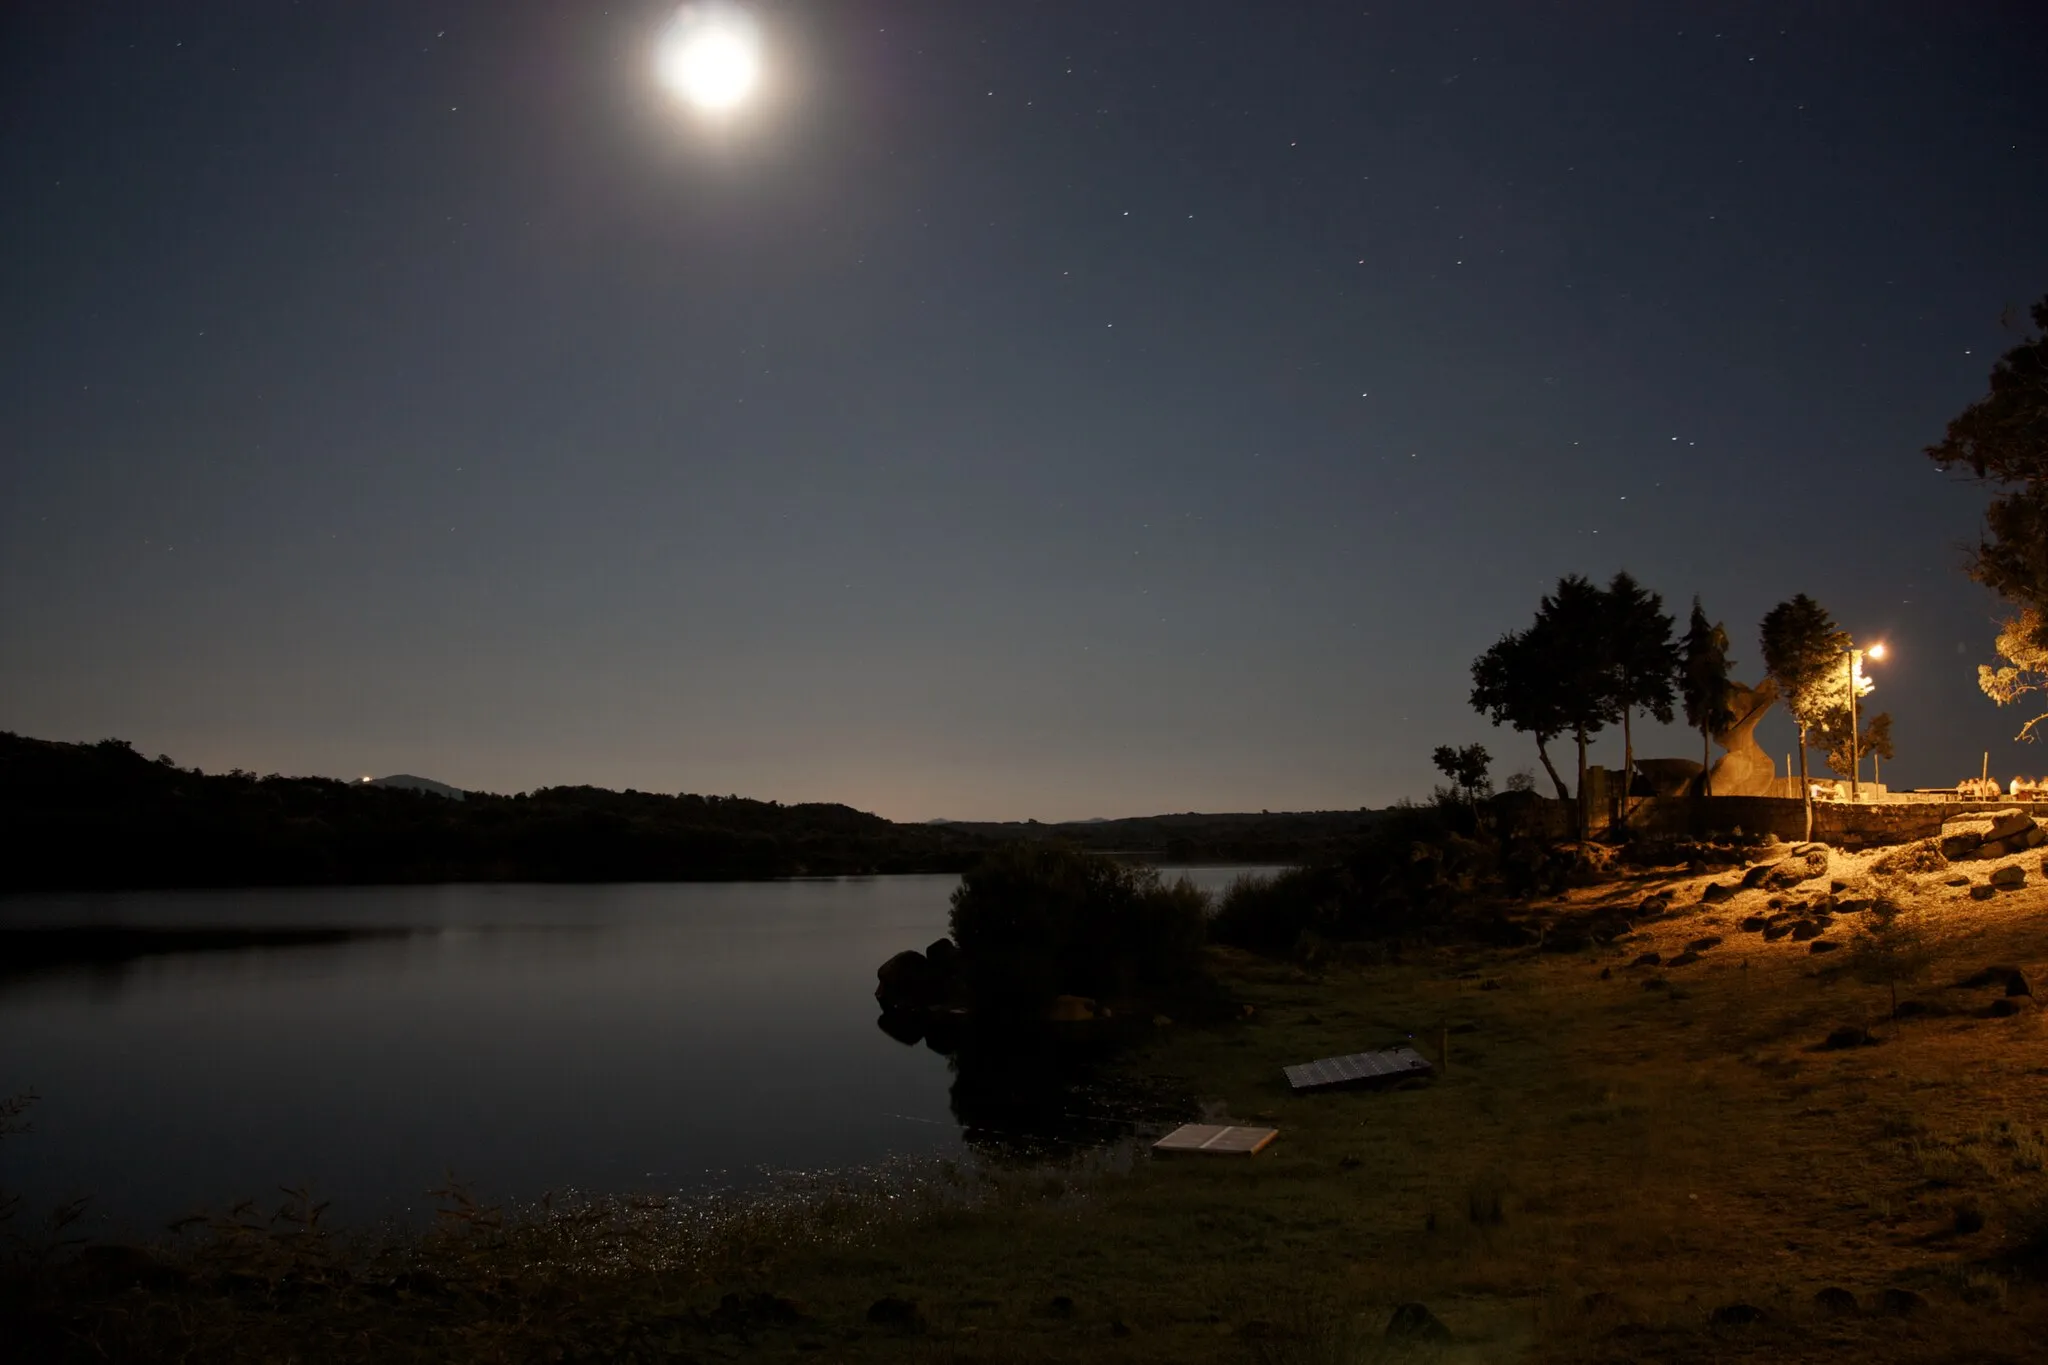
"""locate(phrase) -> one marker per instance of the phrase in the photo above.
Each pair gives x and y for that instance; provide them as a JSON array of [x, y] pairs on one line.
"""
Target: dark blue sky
[[1054, 409]]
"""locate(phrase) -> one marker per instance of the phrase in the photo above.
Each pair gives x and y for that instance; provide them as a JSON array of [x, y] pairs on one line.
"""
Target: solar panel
[[1358, 1068], [1216, 1139]]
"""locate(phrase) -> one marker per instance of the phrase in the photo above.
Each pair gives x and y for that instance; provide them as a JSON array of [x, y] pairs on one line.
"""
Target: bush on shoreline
[[1036, 921]]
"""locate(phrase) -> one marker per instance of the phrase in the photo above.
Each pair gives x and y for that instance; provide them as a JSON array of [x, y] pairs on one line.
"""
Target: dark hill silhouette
[[101, 815], [409, 782], [83, 816]]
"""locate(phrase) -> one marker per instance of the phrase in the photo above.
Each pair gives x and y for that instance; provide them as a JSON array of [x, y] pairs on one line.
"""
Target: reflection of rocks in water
[[938, 1030], [943, 1030], [1038, 1093], [905, 1026]]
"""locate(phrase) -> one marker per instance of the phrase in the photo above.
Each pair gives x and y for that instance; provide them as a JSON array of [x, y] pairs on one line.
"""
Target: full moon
[[710, 55]]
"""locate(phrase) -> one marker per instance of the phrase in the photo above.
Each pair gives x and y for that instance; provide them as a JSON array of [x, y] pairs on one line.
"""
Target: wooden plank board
[[1358, 1068], [1216, 1139]]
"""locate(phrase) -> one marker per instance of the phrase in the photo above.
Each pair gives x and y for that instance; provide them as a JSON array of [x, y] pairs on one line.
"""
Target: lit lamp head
[[1876, 651]]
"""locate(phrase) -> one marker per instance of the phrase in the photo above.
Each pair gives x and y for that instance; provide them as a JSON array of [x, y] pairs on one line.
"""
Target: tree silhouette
[[1803, 650], [1642, 663], [1704, 686], [2002, 438], [1516, 684], [1576, 626], [1560, 675], [1466, 768]]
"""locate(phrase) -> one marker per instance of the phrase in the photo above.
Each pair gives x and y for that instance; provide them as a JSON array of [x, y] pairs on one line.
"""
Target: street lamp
[[1856, 656]]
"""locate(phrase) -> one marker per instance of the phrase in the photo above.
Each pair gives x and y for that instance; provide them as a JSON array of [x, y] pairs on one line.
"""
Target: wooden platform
[[1359, 1068], [1216, 1139]]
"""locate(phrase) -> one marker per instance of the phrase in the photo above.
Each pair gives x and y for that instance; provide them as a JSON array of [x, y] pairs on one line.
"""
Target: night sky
[[1021, 409]]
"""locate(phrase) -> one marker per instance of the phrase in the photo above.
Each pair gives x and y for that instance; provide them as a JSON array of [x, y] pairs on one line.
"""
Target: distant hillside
[[81, 816], [1193, 837], [407, 782], [102, 815]]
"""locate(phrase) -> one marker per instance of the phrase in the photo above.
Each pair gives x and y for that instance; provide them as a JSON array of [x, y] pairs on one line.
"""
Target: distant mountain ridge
[[85, 816], [408, 782]]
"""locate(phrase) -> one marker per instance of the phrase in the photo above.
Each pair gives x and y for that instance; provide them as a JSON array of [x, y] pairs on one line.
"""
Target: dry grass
[[1602, 1168]]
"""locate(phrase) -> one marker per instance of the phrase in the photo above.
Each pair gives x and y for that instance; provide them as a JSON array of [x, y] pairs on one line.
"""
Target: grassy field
[[1615, 1155]]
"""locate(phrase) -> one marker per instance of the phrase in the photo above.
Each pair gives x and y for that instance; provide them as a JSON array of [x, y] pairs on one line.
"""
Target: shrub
[[1269, 914], [1038, 920]]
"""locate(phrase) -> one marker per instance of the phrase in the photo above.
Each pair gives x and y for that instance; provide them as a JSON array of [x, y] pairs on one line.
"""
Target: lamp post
[[1876, 651]]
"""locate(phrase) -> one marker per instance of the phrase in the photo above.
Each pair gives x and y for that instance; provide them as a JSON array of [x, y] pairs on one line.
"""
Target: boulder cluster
[[930, 980], [1996, 835]]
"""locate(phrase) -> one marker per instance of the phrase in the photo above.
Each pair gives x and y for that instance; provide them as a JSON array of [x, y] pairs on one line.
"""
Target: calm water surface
[[522, 1038]]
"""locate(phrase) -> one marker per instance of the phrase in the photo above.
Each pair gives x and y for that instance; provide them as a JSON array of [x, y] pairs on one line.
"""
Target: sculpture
[[1745, 770]]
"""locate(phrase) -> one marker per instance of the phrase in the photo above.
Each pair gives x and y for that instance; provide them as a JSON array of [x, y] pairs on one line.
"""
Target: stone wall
[[1834, 822]]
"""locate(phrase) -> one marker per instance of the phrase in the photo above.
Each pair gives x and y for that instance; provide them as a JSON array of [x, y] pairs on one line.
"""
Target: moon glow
[[711, 56]]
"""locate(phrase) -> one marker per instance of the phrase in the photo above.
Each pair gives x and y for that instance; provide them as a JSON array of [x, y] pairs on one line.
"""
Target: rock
[[1848, 1036], [1685, 959], [2005, 1007], [1756, 875], [1955, 846], [1994, 848], [1836, 887], [1414, 1322], [1700, 945], [1739, 1314], [1793, 871], [1655, 904], [1998, 974], [1606, 973], [2036, 837], [1755, 924], [2007, 878], [2008, 824], [1806, 928], [1851, 907], [1774, 932], [1822, 945], [1075, 1009], [2017, 983], [1656, 983], [1716, 892], [1965, 881], [907, 981], [1808, 850], [1652, 959], [1899, 1303], [1983, 893], [944, 956], [900, 1315], [1835, 1302]]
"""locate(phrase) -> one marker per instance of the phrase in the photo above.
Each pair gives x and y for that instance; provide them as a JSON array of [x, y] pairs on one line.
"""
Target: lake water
[[522, 1038]]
